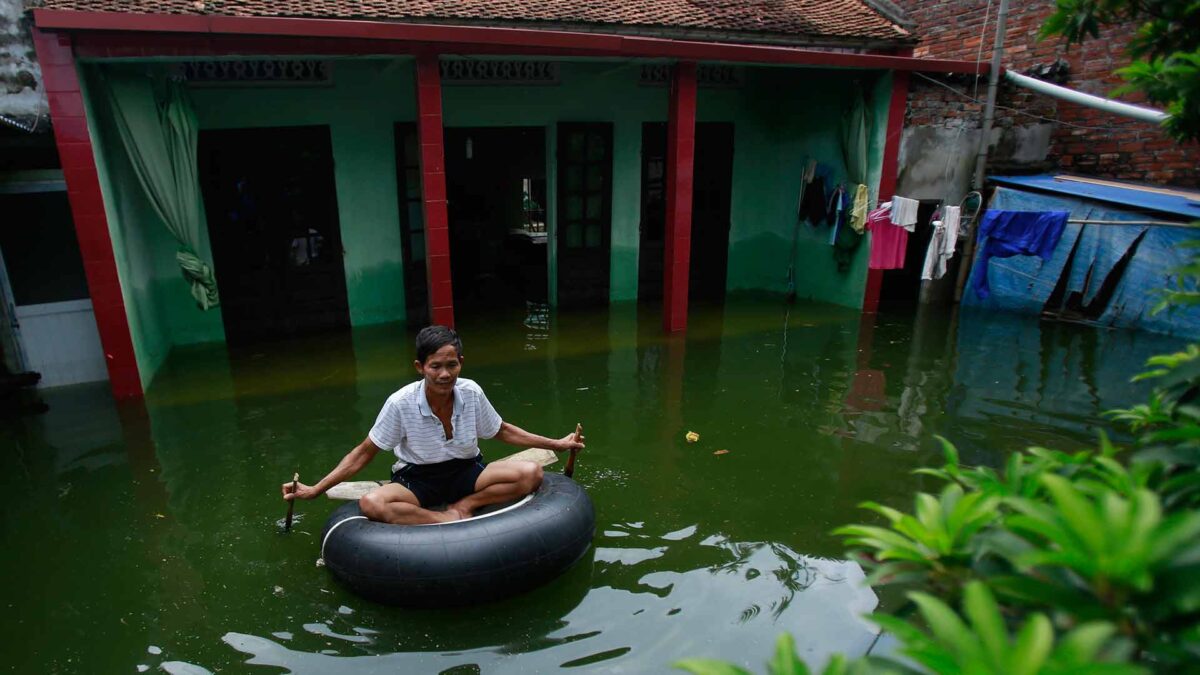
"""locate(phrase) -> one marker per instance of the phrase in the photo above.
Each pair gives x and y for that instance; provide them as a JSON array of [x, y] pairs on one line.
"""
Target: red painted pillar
[[681, 150], [87, 209], [887, 179], [433, 189]]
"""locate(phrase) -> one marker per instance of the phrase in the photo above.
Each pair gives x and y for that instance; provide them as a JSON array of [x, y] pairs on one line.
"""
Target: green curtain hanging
[[159, 131], [856, 137], [856, 143]]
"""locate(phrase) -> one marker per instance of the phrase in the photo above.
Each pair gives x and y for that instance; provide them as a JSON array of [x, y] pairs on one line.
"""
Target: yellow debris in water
[[692, 437], [721, 452]]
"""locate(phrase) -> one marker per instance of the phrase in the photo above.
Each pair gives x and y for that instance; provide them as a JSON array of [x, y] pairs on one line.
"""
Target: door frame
[[650, 267]]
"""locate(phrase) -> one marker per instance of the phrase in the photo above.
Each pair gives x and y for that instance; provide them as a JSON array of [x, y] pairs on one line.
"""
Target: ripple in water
[[646, 608]]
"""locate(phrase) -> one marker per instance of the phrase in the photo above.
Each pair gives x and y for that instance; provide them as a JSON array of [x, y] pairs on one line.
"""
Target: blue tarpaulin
[[1104, 273]]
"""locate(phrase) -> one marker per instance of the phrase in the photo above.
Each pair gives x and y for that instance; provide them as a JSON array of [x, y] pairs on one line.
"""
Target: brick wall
[[1084, 140]]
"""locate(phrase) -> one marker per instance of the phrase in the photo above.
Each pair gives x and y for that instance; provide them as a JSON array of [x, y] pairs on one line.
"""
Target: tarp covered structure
[[1102, 271]]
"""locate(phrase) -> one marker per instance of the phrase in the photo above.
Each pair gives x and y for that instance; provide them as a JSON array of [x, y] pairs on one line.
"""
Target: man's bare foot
[[458, 512]]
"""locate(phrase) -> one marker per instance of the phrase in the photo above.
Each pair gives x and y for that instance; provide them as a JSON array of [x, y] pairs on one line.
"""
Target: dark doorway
[[273, 220], [412, 224], [584, 212], [496, 194], [712, 189], [902, 288]]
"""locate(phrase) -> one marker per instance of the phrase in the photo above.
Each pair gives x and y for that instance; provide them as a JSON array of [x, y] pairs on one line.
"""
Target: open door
[[584, 212], [273, 220], [712, 187]]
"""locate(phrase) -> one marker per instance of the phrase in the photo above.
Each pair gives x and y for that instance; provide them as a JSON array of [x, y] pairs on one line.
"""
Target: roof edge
[[731, 37], [451, 38], [892, 12]]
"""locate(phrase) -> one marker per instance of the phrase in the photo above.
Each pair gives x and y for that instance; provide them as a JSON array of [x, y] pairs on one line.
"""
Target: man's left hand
[[569, 442]]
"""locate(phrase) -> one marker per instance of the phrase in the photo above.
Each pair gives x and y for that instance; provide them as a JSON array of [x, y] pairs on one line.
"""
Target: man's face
[[440, 370]]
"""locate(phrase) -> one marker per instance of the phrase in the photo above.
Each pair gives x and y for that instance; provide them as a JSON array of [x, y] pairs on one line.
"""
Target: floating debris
[[721, 452], [278, 591], [692, 437], [320, 562], [345, 610], [154, 650]]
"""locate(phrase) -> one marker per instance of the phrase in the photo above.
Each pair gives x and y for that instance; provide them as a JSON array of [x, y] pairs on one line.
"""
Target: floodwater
[[145, 536]]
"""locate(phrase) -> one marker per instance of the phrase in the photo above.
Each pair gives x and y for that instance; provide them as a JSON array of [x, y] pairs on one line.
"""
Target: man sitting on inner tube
[[434, 426]]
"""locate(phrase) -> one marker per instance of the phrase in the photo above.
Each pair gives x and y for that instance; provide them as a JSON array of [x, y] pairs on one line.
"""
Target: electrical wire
[[987, 13]]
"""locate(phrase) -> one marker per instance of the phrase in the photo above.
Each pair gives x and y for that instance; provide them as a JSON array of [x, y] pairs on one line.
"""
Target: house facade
[[353, 166]]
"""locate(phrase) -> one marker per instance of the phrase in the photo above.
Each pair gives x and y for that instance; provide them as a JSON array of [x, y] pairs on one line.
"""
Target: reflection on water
[[148, 532]]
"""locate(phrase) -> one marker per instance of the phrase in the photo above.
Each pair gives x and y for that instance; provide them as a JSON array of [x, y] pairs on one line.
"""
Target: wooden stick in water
[[571, 461], [287, 524]]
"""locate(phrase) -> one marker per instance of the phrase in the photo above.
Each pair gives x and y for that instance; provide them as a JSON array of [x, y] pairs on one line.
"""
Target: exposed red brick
[[1108, 146]]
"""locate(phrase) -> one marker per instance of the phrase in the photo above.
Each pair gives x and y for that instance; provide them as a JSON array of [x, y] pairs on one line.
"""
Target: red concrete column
[[887, 179], [681, 150], [433, 190], [87, 209]]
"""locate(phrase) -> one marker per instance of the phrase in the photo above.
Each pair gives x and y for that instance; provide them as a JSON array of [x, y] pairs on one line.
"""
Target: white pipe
[[1137, 112]]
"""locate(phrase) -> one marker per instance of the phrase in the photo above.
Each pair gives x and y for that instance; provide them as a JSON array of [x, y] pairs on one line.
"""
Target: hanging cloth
[[159, 130], [815, 210], [858, 210], [888, 241], [836, 211], [856, 137], [1012, 233], [845, 240], [941, 244], [904, 212]]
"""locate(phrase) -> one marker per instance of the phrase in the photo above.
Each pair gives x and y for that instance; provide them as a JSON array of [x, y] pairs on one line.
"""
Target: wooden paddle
[[287, 524], [571, 461]]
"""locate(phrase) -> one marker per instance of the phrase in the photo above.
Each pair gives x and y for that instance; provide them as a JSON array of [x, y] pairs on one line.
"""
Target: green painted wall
[[158, 302], [367, 98], [779, 122], [598, 91], [783, 117]]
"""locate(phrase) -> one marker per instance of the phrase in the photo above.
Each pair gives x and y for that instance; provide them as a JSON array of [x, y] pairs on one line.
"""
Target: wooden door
[[584, 212]]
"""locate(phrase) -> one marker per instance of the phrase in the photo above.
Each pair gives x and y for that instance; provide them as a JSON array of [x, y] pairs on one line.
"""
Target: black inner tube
[[491, 556]]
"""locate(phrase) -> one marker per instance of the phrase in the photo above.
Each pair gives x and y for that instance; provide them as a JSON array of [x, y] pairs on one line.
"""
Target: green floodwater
[[146, 535]]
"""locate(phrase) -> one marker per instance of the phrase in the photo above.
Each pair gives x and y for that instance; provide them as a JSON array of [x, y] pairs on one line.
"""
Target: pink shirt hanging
[[888, 241]]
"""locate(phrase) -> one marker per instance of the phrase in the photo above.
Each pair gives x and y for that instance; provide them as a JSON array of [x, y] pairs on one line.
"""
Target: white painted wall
[[61, 342]]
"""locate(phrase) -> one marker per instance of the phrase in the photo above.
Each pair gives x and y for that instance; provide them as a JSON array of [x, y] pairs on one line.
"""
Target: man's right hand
[[302, 491]]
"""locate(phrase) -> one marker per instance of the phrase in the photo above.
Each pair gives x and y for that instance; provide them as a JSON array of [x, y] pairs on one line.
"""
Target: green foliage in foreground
[[1056, 562]]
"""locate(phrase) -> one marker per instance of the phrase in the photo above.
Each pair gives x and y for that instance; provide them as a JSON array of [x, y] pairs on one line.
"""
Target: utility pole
[[985, 136], [989, 109]]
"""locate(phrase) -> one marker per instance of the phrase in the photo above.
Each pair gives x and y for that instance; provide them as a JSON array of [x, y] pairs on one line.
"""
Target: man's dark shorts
[[441, 483]]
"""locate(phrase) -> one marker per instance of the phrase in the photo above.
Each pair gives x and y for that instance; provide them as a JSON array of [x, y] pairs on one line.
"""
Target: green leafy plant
[[983, 644], [936, 546], [1165, 49]]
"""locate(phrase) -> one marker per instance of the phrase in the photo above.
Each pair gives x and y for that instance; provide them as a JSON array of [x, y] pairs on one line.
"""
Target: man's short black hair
[[433, 338]]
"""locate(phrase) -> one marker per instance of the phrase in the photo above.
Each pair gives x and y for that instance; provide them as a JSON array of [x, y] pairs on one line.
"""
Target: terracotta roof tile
[[849, 20]]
